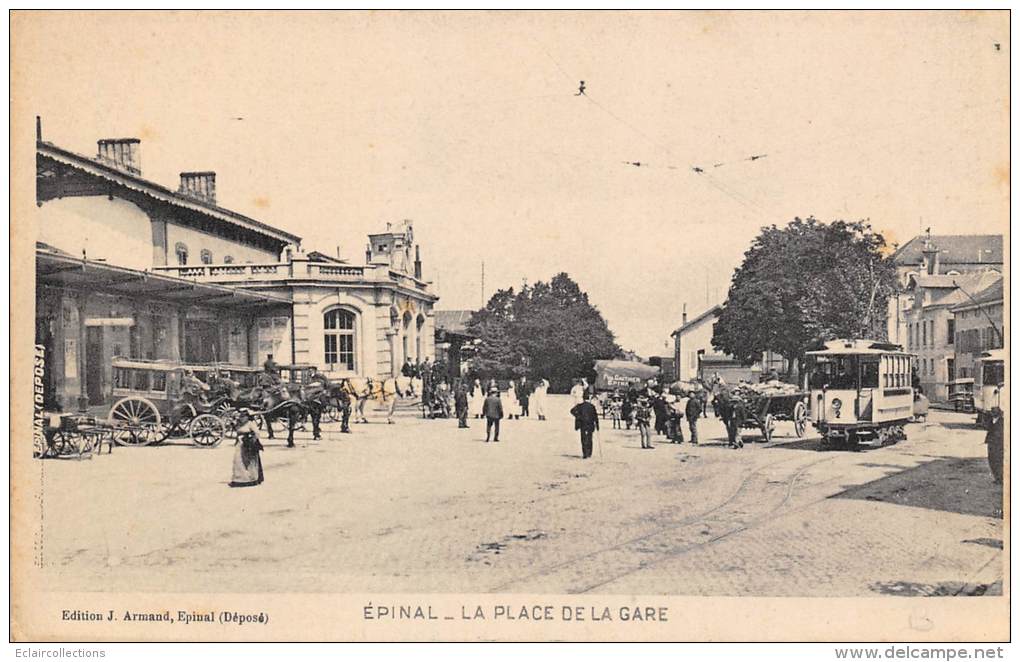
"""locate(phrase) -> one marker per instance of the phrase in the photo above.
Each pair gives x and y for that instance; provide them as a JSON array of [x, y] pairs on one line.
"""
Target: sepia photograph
[[356, 326]]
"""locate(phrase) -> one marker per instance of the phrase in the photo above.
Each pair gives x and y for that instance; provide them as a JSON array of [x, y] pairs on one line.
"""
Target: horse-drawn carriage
[[154, 403]]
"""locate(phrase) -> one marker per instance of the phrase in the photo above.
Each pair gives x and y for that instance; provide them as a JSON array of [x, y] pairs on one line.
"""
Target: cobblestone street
[[421, 506]]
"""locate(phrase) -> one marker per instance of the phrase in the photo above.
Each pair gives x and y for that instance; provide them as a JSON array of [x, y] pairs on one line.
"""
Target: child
[[642, 418], [616, 409]]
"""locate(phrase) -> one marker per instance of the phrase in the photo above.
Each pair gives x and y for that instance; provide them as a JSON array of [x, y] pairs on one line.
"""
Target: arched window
[[339, 338], [181, 251], [206, 256], [228, 259]]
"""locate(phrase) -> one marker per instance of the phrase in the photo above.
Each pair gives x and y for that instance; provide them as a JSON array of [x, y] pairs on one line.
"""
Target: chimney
[[931, 258], [121, 153], [683, 319], [417, 262], [199, 185], [368, 254]]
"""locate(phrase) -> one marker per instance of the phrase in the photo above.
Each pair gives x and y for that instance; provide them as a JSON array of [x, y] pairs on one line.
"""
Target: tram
[[991, 378], [860, 390]]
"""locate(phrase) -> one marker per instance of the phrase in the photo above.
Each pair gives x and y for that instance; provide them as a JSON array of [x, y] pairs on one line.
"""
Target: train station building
[[126, 267]]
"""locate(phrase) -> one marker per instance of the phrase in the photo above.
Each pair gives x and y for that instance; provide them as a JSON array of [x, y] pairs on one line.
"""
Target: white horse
[[385, 391]]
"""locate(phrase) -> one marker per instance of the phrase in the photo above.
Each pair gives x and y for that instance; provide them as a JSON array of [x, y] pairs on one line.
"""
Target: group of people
[[650, 409], [490, 403]]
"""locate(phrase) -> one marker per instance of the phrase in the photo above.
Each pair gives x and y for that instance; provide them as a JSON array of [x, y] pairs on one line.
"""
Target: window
[[950, 331], [206, 255], [228, 259], [338, 325], [924, 334], [181, 251]]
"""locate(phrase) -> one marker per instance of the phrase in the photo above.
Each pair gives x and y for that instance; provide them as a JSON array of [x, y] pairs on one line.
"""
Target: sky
[[468, 124]]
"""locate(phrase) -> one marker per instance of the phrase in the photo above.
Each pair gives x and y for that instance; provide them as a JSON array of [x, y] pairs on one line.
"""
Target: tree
[[803, 284], [549, 330]]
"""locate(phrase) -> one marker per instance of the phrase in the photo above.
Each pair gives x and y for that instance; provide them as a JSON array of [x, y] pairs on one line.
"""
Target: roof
[[316, 256], [991, 294], [953, 249], [453, 321], [57, 269], [714, 310], [960, 286], [134, 182], [857, 347]]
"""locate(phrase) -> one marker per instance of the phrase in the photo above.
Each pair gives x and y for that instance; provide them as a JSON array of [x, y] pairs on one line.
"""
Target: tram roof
[[993, 355], [854, 347]]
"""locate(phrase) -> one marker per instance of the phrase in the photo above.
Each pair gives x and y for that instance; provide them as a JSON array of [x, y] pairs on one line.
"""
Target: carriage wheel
[[141, 417], [62, 443], [800, 419], [768, 426], [207, 430]]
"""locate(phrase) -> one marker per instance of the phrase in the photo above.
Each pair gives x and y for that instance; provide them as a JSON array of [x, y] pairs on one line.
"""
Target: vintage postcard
[[510, 326]]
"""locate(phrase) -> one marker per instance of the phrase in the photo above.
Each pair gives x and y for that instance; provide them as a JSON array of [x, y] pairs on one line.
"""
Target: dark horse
[[275, 403]]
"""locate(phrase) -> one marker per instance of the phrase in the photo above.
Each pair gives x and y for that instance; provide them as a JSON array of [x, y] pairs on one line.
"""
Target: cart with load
[[771, 402]]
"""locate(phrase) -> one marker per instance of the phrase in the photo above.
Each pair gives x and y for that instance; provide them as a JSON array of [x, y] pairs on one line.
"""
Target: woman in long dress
[[577, 393], [513, 405], [247, 462], [477, 399], [537, 403]]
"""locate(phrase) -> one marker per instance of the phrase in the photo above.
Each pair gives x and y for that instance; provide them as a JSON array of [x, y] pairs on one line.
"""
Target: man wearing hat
[[586, 419], [270, 375], [460, 401], [493, 411]]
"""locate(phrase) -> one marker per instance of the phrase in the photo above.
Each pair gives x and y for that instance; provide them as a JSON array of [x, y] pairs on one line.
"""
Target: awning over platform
[[58, 269]]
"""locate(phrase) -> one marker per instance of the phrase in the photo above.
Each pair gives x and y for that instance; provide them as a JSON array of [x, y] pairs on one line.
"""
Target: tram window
[[869, 374], [141, 380], [122, 378], [992, 374], [159, 381]]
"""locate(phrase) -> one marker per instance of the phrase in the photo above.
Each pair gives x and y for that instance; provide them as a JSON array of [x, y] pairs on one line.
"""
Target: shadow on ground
[[955, 485], [941, 589]]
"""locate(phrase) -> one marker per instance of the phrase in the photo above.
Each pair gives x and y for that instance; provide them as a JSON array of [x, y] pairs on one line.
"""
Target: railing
[[296, 270]]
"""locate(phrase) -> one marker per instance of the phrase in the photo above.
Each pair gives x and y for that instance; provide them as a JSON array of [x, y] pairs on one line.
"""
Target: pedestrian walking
[[577, 392], [247, 462], [586, 419], [616, 409], [642, 419], [524, 396], [539, 398], [512, 403], [695, 407], [627, 408], [477, 400], [659, 407], [460, 403], [493, 410]]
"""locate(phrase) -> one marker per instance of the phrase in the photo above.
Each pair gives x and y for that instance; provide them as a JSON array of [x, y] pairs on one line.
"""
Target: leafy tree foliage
[[548, 330], [803, 284]]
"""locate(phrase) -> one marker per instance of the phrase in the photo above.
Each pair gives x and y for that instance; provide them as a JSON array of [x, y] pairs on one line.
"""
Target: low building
[[454, 343], [978, 326], [102, 228], [128, 267]]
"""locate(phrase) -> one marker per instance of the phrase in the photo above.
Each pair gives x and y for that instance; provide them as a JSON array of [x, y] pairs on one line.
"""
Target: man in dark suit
[[694, 408], [493, 410], [460, 403], [586, 419]]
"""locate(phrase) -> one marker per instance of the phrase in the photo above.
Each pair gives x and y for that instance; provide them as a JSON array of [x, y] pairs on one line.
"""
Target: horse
[[275, 403], [385, 390]]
